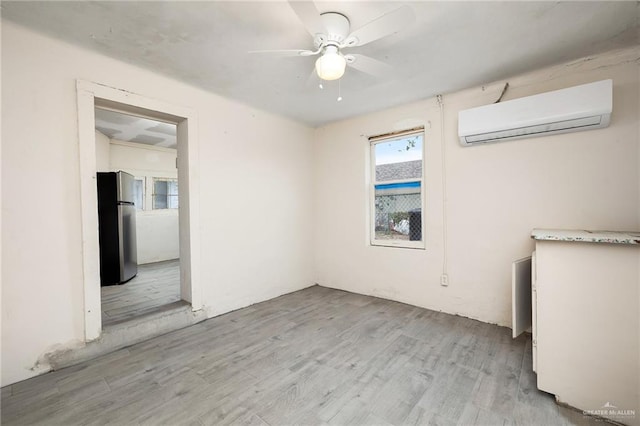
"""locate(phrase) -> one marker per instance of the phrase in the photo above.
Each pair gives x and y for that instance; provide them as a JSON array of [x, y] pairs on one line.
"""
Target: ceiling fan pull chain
[[339, 90]]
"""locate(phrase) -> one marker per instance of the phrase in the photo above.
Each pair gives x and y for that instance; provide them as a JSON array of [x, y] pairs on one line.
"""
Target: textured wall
[[495, 194]]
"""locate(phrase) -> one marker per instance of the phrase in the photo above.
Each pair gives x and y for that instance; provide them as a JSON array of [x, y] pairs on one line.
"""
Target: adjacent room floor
[[316, 356], [156, 285]]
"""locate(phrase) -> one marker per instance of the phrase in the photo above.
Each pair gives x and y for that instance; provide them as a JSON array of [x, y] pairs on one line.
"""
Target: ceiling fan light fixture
[[331, 65]]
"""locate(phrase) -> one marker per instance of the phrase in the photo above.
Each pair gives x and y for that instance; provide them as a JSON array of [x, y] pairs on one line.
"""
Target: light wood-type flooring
[[156, 285], [316, 356]]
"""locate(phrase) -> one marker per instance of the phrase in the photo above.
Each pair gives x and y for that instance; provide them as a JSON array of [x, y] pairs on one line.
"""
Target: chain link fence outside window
[[398, 212]]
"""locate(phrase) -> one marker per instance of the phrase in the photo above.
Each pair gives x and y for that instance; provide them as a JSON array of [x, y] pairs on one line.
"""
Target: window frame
[[142, 179], [372, 142], [154, 179]]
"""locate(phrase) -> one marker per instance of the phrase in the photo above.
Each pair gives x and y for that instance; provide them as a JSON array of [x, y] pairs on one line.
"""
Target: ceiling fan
[[331, 32]]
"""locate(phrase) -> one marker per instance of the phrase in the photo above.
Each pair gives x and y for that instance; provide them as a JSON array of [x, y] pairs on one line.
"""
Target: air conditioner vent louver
[[574, 109]]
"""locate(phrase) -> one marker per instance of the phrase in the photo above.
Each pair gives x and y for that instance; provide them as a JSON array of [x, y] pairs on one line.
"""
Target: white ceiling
[[451, 46], [130, 128]]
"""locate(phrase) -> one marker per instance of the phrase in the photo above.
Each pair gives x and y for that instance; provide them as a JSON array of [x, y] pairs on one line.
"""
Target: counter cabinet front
[[585, 324]]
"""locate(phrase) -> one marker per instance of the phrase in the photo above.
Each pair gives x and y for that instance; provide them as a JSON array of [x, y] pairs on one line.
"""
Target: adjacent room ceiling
[[130, 128], [449, 47]]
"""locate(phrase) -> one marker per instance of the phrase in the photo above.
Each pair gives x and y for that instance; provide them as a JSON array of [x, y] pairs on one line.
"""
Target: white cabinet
[[585, 324]]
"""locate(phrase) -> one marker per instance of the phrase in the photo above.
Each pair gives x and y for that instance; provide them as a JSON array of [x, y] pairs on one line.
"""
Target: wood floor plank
[[156, 284], [356, 412], [417, 416], [314, 357], [396, 399]]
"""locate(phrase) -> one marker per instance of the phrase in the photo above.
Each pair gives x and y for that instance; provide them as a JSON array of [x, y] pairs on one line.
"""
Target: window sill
[[399, 244]]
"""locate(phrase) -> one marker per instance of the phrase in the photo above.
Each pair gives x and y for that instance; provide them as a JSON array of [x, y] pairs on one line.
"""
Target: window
[[138, 193], [165, 193], [397, 190]]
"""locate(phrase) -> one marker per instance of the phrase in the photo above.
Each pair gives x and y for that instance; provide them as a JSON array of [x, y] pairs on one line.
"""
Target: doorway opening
[[169, 137], [139, 221]]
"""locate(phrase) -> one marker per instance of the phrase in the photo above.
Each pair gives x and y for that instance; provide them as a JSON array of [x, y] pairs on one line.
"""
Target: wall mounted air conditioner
[[573, 109]]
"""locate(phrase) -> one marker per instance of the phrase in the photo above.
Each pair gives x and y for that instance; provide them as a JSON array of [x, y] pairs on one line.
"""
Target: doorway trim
[[91, 95]]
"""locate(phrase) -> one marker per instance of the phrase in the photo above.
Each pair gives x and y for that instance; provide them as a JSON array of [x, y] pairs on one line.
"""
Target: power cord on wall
[[444, 278], [504, 90]]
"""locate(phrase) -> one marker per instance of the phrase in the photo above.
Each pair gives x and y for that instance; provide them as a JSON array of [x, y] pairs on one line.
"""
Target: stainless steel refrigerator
[[117, 228]]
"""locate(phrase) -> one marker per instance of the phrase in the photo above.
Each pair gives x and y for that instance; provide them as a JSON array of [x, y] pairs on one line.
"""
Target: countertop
[[581, 235]]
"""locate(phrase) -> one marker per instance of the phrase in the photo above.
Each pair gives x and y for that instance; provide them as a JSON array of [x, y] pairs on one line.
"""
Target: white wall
[[146, 160], [157, 231], [496, 194], [255, 171], [102, 152]]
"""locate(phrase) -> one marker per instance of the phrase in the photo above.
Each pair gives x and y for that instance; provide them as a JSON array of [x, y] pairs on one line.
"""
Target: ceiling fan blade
[[383, 26], [286, 52], [369, 65], [309, 16]]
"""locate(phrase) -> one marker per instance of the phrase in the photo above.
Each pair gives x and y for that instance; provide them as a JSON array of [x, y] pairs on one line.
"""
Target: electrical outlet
[[444, 280]]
